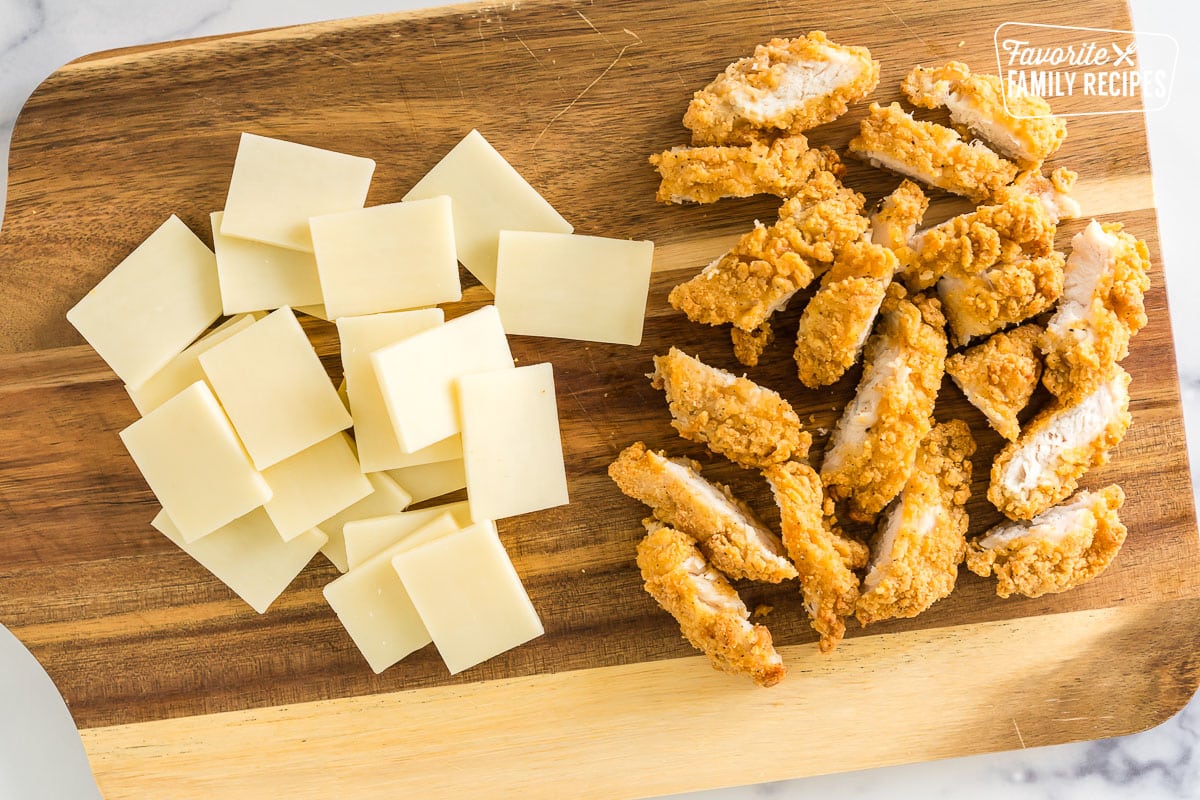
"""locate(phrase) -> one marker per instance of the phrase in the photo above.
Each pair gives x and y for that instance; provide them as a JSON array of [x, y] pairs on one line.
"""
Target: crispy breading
[[999, 376], [707, 174], [786, 87], [1059, 549], [728, 532], [921, 539], [709, 611], [748, 346], [898, 215], [870, 454], [837, 320], [1102, 308], [1019, 125], [930, 153], [1044, 465], [824, 557], [1053, 191], [749, 424], [770, 264], [1003, 295]]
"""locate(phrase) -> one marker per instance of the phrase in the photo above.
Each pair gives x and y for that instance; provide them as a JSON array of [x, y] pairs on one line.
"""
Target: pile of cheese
[[243, 436]]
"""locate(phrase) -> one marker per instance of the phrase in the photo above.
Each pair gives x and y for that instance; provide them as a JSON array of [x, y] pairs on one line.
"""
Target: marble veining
[[36, 36]]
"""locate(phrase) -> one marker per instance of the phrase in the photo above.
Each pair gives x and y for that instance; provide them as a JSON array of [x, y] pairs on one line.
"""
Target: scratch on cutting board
[[587, 88], [531, 53], [597, 30], [908, 28], [1020, 738]]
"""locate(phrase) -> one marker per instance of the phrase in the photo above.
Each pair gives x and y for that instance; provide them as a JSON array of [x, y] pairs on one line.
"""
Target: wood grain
[[144, 644]]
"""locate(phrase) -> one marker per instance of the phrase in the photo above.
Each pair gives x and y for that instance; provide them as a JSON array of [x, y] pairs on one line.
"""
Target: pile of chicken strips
[[984, 297]]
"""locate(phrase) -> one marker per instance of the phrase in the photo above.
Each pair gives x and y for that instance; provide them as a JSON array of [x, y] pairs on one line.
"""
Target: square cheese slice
[[259, 277], [573, 287], [387, 498], [248, 556], [277, 185], [416, 375], [385, 258], [374, 608], [468, 595], [512, 447], [152, 305], [313, 485], [488, 196], [366, 537], [274, 389], [184, 369], [374, 434], [190, 456], [424, 481]]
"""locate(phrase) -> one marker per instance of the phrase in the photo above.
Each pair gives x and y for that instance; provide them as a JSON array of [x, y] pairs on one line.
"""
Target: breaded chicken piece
[[970, 243], [999, 376], [1102, 308], [748, 346], [786, 87], [726, 529], [1056, 448], [870, 454], [1059, 549], [1054, 192], [898, 215], [707, 174], [749, 424], [1002, 295], [1018, 125], [709, 611], [922, 537], [837, 320], [769, 265], [930, 153], [823, 556]]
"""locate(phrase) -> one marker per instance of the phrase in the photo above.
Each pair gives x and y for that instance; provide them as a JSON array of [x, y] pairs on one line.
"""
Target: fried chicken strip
[[870, 454], [1019, 125], [710, 613], [922, 538], [1053, 191], [898, 215], [1059, 445], [824, 557], [732, 538], [748, 346], [837, 320], [786, 87], [749, 424], [1005, 294], [1059, 549], [930, 153], [999, 376], [1102, 308], [707, 174]]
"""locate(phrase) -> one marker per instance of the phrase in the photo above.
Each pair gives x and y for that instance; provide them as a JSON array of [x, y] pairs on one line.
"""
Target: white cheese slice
[[190, 456], [573, 287], [424, 481], [468, 595], [416, 375], [374, 434], [488, 196], [387, 498], [152, 305], [374, 608], [512, 447], [274, 389], [277, 185], [384, 258], [317, 311], [366, 537], [313, 485], [259, 277], [248, 556]]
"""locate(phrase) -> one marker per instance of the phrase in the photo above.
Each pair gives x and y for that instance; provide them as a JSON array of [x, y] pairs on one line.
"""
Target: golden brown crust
[[748, 346], [922, 539], [977, 305], [749, 424], [898, 216], [999, 376], [930, 153], [726, 529], [710, 614], [1035, 564], [747, 102], [707, 174]]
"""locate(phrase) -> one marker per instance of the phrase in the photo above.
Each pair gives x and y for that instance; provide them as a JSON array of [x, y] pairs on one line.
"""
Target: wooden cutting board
[[182, 691]]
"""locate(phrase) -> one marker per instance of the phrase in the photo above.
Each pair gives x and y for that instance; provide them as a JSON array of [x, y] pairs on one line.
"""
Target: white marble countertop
[[37, 36]]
